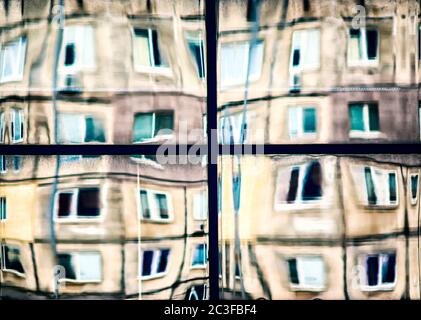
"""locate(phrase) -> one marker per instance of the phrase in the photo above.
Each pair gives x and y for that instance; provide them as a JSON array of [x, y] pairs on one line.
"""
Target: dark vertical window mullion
[[211, 12]]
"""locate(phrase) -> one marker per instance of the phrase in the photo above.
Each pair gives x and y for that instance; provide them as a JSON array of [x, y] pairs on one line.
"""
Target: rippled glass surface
[[319, 227], [102, 72], [102, 227], [320, 71]]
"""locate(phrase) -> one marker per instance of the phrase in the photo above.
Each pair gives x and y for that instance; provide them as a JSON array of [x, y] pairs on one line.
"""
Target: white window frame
[[252, 77], [380, 286], [299, 203], [20, 60], [73, 217], [3, 260], [414, 200], [79, 64], [300, 126], [159, 137], [156, 257], [19, 113], [153, 208], [205, 262], [164, 69], [200, 199], [302, 286], [83, 128], [193, 292], [377, 187], [366, 133], [303, 48], [364, 62], [3, 164], [3, 209], [76, 255]]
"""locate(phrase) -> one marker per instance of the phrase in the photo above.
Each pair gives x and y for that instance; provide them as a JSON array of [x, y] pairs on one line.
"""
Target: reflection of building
[[313, 78], [121, 229], [125, 71], [323, 226]]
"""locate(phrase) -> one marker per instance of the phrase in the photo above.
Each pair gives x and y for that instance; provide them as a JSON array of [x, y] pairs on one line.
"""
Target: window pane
[[296, 57], [144, 203], [293, 185], [372, 270], [373, 116], [256, 60], [233, 63], [143, 127], [293, 121], [196, 49], [313, 271], [64, 204], [159, 60], [369, 183], [309, 118], [147, 263], [313, 182], [357, 118], [252, 6], [141, 48], [94, 130], [12, 259], [164, 120], [161, 200], [354, 47], [88, 203], [69, 54], [388, 268], [293, 273], [163, 260], [392, 187], [199, 257], [65, 260], [89, 266], [414, 186], [372, 44]]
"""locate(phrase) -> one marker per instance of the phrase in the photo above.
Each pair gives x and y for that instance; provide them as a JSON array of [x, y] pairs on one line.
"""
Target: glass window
[[12, 259], [13, 60], [3, 207], [147, 52], [364, 117], [199, 256], [16, 125], [301, 121], [88, 202], [362, 46], [414, 188]]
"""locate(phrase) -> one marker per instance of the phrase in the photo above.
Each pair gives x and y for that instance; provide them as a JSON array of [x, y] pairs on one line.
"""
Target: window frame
[[414, 200], [153, 208], [162, 69], [302, 45], [154, 138], [21, 57], [156, 257], [83, 128], [3, 209], [77, 268], [364, 277], [73, 217], [3, 260], [366, 133], [302, 286], [20, 113], [300, 204], [232, 82], [386, 172], [196, 38], [301, 134], [365, 61], [205, 262]]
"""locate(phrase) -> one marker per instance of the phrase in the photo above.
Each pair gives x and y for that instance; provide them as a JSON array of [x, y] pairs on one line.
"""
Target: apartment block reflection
[[320, 227], [102, 71], [106, 227], [319, 71]]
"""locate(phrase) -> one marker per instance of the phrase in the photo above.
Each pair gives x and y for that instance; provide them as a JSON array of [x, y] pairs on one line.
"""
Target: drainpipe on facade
[[58, 45]]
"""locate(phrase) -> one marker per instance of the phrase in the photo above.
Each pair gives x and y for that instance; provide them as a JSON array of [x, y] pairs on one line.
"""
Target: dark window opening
[[306, 5], [155, 46], [197, 52], [94, 130], [65, 204], [372, 39], [373, 117], [12, 259], [293, 185], [414, 187], [70, 54], [147, 263], [388, 269], [163, 260], [164, 121], [65, 260], [144, 202], [372, 270], [296, 57], [392, 187], [313, 182], [369, 183], [88, 202], [252, 7], [293, 272], [162, 205]]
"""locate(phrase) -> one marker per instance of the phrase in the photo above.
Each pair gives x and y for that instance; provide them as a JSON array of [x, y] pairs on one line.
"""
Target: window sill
[[11, 79], [152, 277], [77, 221], [378, 288], [307, 289], [14, 272], [198, 267], [366, 134], [381, 206], [162, 71], [316, 204], [363, 64], [80, 282], [158, 221]]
